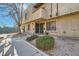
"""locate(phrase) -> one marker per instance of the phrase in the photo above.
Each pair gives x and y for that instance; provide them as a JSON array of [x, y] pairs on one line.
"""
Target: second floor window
[[51, 25], [25, 15]]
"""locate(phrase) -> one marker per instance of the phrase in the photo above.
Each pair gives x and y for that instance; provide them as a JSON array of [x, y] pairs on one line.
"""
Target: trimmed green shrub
[[45, 42], [32, 37]]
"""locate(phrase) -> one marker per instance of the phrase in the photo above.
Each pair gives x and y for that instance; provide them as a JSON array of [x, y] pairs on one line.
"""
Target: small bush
[[32, 38], [45, 43]]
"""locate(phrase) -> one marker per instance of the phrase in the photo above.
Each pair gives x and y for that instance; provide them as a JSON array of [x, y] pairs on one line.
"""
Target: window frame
[[50, 27]]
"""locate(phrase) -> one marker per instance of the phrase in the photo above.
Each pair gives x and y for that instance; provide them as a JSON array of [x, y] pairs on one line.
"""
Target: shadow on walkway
[[10, 51]]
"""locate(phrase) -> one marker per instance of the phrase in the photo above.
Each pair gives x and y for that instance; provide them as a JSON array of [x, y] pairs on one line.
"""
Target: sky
[[8, 20]]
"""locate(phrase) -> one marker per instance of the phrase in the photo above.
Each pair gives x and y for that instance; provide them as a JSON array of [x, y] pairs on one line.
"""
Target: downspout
[[57, 9], [51, 10]]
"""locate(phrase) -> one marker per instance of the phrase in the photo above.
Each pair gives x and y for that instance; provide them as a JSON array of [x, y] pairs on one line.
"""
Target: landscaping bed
[[44, 43], [62, 47]]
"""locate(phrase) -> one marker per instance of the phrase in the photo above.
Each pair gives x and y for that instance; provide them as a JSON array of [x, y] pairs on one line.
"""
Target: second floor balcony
[[38, 14]]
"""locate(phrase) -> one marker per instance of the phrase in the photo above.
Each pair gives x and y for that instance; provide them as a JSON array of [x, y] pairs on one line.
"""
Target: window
[[51, 25], [25, 15]]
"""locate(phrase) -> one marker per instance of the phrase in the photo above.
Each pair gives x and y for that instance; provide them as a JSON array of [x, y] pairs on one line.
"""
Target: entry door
[[37, 28], [41, 28]]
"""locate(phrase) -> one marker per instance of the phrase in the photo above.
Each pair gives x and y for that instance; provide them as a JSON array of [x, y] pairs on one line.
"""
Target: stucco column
[[44, 27]]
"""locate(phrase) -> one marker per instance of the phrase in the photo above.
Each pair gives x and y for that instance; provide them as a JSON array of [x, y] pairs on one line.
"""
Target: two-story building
[[60, 19]]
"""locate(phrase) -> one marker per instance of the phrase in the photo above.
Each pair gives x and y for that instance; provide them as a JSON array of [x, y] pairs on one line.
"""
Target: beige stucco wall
[[31, 28], [65, 8], [68, 24]]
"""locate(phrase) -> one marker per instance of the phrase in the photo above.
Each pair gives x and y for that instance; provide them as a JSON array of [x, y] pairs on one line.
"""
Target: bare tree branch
[[15, 11]]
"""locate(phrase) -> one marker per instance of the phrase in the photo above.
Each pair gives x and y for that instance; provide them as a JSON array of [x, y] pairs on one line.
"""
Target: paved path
[[19, 47], [24, 48]]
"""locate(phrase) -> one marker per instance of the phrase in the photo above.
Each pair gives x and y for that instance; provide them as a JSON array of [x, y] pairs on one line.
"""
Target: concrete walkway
[[19, 47], [23, 48]]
